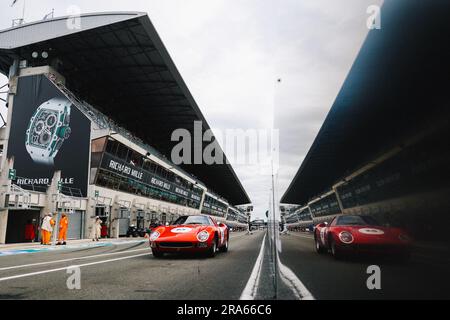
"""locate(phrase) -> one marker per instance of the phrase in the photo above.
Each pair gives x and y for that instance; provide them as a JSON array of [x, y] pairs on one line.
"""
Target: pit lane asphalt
[[140, 277], [326, 278]]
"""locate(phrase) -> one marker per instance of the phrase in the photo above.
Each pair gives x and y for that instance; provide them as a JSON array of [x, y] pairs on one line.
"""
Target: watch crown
[[64, 132]]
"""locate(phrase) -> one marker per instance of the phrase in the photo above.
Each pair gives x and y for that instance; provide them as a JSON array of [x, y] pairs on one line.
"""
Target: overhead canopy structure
[[117, 62], [397, 86]]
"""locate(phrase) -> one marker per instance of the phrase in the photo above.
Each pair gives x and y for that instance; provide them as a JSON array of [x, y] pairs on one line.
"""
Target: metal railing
[[4, 91], [15, 189], [19, 198], [106, 123], [90, 112], [30, 187], [72, 192]]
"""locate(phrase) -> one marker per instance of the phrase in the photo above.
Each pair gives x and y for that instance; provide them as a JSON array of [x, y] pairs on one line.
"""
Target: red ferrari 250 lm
[[361, 234], [196, 233]]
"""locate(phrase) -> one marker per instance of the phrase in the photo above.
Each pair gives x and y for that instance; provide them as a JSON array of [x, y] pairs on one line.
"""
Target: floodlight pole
[[274, 247], [275, 251], [23, 10], [58, 219]]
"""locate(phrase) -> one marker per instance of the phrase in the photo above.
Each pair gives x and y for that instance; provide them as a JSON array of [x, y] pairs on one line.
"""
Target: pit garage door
[[75, 230], [124, 222], [17, 224], [123, 226], [140, 219]]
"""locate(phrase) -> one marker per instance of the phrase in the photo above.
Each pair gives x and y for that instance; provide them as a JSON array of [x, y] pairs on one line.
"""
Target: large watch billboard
[[48, 133]]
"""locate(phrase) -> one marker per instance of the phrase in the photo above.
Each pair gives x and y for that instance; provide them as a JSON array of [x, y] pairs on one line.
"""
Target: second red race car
[[361, 234], [195, 233]]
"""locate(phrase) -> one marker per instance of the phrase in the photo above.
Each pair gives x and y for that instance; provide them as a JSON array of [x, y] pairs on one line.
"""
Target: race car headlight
[[404, 238], [346, 237], [203, 236], [155, 235]]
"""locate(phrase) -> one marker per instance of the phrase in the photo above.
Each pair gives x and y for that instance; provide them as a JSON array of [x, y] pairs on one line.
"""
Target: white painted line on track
[[293, 282], [40, 249], [251, 288], [65, 268], [302, 236], [71, 259]]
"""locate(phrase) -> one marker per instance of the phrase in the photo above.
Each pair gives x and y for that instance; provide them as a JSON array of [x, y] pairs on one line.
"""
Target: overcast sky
[[231, 53]]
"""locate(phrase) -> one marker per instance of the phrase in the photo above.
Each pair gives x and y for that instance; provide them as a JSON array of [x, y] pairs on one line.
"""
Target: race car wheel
[[318, 246], [158, 254], [224, 248], [213, 249], [334, 250]]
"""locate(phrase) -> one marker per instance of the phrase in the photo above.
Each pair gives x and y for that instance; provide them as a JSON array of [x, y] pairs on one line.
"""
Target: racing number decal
[[371, 231]]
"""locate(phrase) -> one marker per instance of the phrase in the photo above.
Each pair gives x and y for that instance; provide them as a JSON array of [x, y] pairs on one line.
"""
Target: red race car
[[196, 233], [361, 234]]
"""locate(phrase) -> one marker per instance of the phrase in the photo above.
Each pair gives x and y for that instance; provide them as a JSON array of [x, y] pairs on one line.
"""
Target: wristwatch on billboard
[[48, 129]]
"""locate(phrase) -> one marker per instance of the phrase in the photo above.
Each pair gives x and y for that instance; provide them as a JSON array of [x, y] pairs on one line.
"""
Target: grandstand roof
[[117, 62], [397, 86]]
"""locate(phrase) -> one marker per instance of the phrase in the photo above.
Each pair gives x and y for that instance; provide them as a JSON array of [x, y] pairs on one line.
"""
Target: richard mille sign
[[118, 166], [43, 181], [182, 192], [160, 183]]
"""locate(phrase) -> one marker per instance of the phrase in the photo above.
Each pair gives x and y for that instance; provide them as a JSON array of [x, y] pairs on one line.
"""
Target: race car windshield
[[357, 221], [192, 220]]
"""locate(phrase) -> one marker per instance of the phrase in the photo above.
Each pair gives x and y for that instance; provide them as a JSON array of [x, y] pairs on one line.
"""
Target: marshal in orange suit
[[47, 228], [63, 226]]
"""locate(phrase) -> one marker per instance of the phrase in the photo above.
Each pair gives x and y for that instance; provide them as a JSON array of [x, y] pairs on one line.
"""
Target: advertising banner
[[48, 133], [116, 165]]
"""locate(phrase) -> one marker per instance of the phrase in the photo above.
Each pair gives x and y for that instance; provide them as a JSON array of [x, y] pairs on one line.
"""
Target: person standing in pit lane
[[96, 229], [47, 228], [30, 233], [63, 226]]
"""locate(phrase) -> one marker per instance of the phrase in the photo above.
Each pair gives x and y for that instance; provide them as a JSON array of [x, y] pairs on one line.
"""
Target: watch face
[[43, 128], [48, 129]]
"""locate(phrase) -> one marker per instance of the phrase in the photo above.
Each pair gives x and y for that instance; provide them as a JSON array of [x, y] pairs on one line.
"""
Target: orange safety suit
[[63, 226], [46, 234]]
